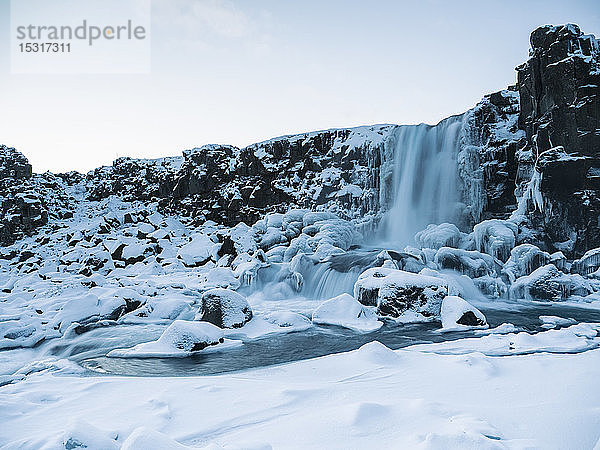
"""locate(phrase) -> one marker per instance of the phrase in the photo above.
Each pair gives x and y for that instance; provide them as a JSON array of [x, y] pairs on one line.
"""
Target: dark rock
[[560, 113], [470, 319], [225, 308]]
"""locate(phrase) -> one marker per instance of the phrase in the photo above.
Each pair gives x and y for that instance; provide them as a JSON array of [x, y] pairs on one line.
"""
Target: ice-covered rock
[[345, 311], [548, 283], [490, 286], [457, 314], [243, 238], [495, 237], [524, 259], [224, 308], [181, 338], [588, 263], [437, 236], [396, 291], [469, 262]]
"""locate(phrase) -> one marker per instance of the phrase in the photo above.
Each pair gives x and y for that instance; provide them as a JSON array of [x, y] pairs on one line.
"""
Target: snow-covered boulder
[[396, 291], [219, 277], [135, 251], [337, 232], [524, 259], [495, 237], [588, 263], [86, 309], [199, 250], [225, 308], [549, 283], [437, 236], [345, 311], [469, 262], [181, 338], [97, 261], [243, 238], [457, 314]]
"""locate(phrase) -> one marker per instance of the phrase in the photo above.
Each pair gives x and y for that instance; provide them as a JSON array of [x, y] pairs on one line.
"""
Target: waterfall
[[425, 178]]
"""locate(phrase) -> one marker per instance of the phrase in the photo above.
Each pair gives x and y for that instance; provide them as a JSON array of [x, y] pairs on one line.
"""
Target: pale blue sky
[[242, 71]]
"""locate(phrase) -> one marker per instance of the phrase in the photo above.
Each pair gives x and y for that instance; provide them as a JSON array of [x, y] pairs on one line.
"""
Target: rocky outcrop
[[23, 208], [333, 169], [560, 114]]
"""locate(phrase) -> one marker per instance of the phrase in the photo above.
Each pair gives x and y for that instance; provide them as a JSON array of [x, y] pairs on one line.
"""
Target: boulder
[[395, 291], [437, 236], [199, 250], [224, 308], [180, 339], [457, 313], [550, 284], [469, 262]]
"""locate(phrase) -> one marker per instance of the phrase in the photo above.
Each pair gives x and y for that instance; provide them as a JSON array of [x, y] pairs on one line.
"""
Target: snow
[[554, 321], [576, 338], [345, 311], [182, 338], [274, 322], [367, 398], [200, 249], [453, 309], [436, 236]]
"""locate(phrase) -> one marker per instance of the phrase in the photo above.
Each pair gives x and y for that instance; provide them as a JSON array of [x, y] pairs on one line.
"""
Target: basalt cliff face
[[560, 113], [530, 152]]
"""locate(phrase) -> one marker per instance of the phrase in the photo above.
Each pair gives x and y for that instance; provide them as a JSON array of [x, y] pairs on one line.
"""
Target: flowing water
[[425, 178], [283, 348]]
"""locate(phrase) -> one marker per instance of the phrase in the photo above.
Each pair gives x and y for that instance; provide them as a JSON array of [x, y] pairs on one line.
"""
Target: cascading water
[[425, 178], [424, 191]]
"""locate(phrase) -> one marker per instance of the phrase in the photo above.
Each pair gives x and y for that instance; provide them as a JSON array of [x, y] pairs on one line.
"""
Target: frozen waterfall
[[424, 178]]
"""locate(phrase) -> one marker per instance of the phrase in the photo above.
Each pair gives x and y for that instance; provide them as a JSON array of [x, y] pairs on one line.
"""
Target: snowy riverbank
[[368, 398]]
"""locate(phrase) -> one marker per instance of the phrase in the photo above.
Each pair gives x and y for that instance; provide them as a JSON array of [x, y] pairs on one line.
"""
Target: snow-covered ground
[[372, 397]]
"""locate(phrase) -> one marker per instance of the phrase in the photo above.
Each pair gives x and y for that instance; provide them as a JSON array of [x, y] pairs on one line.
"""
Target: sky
[[238, 72]]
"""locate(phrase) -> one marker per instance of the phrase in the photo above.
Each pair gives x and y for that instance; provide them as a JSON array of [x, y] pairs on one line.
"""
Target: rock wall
[[560, 114]]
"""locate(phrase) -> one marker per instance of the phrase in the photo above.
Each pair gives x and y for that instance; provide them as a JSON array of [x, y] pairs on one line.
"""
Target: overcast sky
[[239, 72]]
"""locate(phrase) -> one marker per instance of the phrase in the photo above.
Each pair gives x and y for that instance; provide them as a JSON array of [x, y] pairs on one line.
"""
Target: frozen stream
[[89, 349]]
